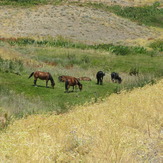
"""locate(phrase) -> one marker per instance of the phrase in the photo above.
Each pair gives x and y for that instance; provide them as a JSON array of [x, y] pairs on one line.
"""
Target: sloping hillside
[[124, 128], [77, 23]]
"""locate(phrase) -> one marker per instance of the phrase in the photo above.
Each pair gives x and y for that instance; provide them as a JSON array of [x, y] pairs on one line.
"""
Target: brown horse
[[85, 78], [72, 82], [43, 76], [63, 78]]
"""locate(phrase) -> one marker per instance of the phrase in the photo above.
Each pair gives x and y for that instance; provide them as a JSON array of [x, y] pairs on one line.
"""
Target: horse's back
[[84, 79], [42, 75], [100, 74], [63, 78]]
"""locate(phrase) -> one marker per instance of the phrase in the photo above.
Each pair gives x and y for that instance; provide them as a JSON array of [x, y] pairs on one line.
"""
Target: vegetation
[[128, 126], [101, 119], [157, 45], [147, 15], [62, 57], [27, 3], [65, 43]]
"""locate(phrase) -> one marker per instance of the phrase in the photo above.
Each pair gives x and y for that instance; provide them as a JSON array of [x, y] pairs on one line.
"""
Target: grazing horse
[[63, 78], [115, 77], [72, 82], [43, 76], [99, 77], [84, 78]]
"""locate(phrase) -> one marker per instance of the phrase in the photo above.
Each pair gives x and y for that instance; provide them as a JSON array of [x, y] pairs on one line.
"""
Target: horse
[[43, 76], [63, 78], [115, 77], [84, 78], [72, 82], [99, 77]]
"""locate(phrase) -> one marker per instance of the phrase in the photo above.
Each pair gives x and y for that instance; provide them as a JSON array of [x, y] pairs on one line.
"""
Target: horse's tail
[[31, 75]]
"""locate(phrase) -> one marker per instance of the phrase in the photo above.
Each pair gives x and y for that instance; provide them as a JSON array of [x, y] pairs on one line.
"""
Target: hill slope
[[77, 23], [116, 130]]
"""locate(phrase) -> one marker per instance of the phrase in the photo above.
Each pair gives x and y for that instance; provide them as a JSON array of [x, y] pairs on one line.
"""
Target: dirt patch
[[77, 23]]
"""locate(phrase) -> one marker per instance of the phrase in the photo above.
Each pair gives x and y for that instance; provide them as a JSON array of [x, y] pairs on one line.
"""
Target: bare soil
[[83, 24]]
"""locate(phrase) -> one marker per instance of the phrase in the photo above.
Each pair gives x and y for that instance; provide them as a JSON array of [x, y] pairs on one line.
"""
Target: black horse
[[115, 77], [99, 77]]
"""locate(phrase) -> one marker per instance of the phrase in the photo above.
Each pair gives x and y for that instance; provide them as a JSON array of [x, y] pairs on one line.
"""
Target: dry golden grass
[[122, 128]]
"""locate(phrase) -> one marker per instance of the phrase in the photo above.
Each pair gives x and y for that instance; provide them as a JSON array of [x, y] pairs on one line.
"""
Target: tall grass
[[65, 43], [157, 45], [147, 15], [123, 128], [12, 66]]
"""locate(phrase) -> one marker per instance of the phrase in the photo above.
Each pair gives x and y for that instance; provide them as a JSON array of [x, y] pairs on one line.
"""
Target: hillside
[[85, 24], [123, 128], [109, 123]]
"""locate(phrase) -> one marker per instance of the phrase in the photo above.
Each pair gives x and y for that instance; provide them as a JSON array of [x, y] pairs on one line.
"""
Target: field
[[123, 128], [102, 123]]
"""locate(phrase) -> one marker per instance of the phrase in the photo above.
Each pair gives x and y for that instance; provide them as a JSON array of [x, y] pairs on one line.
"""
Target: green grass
[[29, 3], [22, 98], [157, 45], [147, 15], [62, 42], [53, 99]]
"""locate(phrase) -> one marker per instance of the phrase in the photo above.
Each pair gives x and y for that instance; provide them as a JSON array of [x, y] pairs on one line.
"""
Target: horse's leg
[[35, 80], [98, 80], [46, 83], [66, 86]]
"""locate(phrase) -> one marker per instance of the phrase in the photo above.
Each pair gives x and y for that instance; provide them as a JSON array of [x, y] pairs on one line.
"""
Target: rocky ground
[[77, 23]]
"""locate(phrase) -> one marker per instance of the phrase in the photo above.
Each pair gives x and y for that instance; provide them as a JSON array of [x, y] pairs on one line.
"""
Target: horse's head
[[119, 80], [53, 84], [80, 86]]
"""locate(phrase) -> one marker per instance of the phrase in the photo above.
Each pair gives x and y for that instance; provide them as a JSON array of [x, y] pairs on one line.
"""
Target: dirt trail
[[77, 23]]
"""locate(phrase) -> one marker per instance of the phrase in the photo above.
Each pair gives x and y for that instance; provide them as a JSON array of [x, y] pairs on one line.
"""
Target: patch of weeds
[[157, 45], [85, 59], [148, 15], [134, 71], [12, 66]]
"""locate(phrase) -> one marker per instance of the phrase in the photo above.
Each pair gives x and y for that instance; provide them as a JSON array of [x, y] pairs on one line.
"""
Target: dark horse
[[72, 82], [99, 77], [43, 76], [115, 77]]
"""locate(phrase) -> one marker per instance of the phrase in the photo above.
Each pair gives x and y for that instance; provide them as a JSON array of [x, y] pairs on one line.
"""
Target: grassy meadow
[[23, 56]]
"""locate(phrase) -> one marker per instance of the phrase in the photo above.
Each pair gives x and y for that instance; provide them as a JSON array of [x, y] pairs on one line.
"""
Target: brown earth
[[77, 23]]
